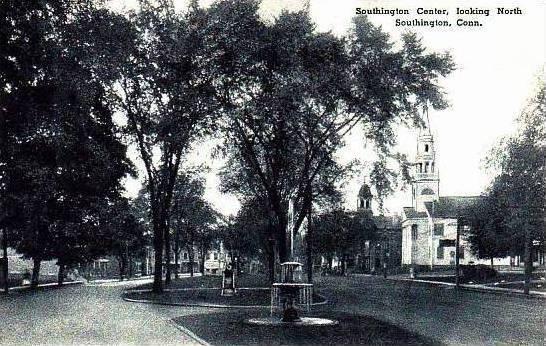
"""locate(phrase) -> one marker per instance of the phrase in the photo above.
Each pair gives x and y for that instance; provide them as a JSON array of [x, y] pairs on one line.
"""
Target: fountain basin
[[303, 322]]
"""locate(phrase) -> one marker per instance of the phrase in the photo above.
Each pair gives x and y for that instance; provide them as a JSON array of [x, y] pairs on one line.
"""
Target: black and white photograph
[[272, 172]]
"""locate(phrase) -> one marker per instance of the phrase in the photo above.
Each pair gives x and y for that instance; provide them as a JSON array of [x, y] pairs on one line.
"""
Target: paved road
[[97, 315], [445, 314], [86, 315]]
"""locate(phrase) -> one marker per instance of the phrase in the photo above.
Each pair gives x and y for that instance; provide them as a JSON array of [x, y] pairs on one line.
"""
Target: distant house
[[18, 266], [385, 250], [216, 260]]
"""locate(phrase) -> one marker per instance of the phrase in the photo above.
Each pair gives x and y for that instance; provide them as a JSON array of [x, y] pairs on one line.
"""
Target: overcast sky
[[497, 66]]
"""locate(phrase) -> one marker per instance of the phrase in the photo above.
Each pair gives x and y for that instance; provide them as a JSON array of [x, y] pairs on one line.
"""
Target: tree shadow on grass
[[221, 328]]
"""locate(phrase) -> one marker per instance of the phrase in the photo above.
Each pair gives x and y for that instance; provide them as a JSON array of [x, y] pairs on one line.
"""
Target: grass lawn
[[212, 281], [212, 295], [228, 328], [507, 277], [535, 286]]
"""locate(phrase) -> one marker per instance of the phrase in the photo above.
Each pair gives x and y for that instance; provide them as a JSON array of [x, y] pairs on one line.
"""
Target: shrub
[[478, 272]]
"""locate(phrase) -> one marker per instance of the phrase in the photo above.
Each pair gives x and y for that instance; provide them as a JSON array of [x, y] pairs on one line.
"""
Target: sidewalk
[[143, 279], [52, 284], [470, 287]]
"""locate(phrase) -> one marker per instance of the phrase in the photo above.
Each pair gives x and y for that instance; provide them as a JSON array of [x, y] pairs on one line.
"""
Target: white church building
[[429, 226]]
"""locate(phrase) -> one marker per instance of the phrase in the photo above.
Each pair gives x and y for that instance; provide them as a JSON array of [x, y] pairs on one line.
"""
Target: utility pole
[[5, 270], [528, 260], [457, 247]]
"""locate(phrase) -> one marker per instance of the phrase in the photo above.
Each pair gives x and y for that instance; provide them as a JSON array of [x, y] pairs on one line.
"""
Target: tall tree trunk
[[60, 275], [191, 256], [158, 258], [528, 261], [492, 266], [35, 272], [272, 255], [278, 223], [168, 256], [281, 243], [5, 266], [130, 268], [309, 248], [121, 264], [271, 261], [128, 272], [202, 262], [176, 254]]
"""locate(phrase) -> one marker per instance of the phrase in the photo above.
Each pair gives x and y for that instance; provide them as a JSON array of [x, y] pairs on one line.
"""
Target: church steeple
[[364, 198], [425, 178]]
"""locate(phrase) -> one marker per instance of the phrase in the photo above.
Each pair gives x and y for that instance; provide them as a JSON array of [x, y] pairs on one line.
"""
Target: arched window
[[426, 167], [432, 166], [427, 191], [420, 168], [367, 204], [426, 148]]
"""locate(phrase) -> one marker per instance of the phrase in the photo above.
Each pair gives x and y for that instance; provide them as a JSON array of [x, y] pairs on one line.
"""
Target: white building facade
[[429, 226]]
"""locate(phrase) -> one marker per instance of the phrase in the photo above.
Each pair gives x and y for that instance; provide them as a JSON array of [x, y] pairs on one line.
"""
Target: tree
[[188, 191], [165, 94], [489, 235], [519, 188], [122, 234], [292, 94], [339, 233], [60, 152], [245, 236], [193, 219]]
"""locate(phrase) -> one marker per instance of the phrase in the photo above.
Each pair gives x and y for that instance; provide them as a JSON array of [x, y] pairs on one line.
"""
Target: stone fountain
[[291, 293]]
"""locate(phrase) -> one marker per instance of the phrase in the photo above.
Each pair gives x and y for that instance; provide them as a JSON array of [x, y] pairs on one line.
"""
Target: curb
[[478, 288], [206, 305], [189, 333], [106, 281], [52, 284]]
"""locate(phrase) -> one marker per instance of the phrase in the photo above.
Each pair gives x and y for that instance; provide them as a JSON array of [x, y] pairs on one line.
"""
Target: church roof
[[365, 191], [411, 213], [382, 221], [452, 206]]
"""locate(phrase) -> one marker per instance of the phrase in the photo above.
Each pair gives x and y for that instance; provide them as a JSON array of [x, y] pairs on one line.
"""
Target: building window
[[432, 166], [426, 148], [414, 232], [215, 256], [420, 168], [185, 255], [367, 204], [440, 252], [426, 167], [461, 252], [439, 229], [447, 242]]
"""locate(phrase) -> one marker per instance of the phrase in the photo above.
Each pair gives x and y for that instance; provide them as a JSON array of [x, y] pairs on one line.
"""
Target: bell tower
[[426, 179], [365, 196]]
